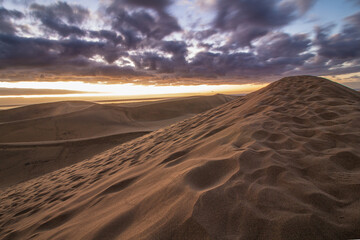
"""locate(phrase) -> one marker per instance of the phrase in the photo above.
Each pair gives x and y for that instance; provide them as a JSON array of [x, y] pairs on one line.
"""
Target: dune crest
[[280, 163]]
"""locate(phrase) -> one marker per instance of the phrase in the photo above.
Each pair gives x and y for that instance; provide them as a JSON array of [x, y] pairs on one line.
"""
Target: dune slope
[[41, 138], [280, 163], [23, 161], [79, 119]]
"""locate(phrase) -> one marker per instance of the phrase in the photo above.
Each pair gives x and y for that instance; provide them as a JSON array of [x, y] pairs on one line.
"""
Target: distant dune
[[40, 138], [66, 120], [280, 163]]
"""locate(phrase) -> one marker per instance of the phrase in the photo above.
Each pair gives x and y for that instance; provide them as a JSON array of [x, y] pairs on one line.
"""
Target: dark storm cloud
[[6, 25], [251, 19], [131, 25], [283, 45], [17, 51], [138, 33], [268, 13], [155, 62], [205, 64], [108, 35], [36, 52], [275, 54], [62, 56], [170, 57], [342, 46], [244, 35], [149, 61], [61, 17], [334, 50], [156, 4], [178, 49], [140, 21], [219, 64], [109, 70], [73, 14]]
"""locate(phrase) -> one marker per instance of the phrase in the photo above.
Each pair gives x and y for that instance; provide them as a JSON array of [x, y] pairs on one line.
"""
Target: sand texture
[[79, 119], [41, 138], [280, 163]]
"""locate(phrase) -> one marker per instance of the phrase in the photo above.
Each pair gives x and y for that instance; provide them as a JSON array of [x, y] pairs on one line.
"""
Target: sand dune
[[280, 163], [24, 161], [41, 138], [65, 120]]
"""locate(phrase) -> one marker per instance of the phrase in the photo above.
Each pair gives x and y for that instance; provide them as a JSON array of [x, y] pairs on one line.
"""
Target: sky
[[119, 46]]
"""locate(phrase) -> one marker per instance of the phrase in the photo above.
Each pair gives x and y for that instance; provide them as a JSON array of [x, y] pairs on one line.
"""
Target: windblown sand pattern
[[41, 138], [280, 163]]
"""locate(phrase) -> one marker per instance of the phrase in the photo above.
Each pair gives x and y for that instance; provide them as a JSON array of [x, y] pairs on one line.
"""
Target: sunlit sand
[[279, 163]]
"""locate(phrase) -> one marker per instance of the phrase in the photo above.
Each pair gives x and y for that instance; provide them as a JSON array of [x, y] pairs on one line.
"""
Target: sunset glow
[[93, 89]]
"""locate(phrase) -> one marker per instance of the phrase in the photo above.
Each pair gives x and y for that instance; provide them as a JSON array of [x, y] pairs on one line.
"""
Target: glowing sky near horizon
[[93, 89]]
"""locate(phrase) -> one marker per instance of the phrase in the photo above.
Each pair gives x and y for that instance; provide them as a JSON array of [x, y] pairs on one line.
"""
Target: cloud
[[275, 53], [304, 5], [283, 45], [110, 70], [245, 35], [177, 48], [343, 46], [108, 35], [137, 22], [70, 56], [36, 52], [159, 5], [61, 17], [244, 41], [6, 25], [158, 63], [336, 53], [251, 19]]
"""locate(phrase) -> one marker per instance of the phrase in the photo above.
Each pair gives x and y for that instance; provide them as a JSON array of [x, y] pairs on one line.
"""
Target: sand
[[280, 163], [41, 138], [80, 119]]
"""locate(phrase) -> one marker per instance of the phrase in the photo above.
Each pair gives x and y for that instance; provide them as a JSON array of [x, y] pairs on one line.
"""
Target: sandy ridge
[[41, 138], [280, 163]]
